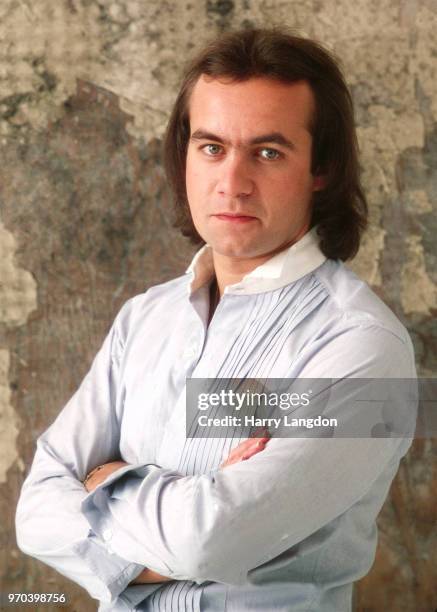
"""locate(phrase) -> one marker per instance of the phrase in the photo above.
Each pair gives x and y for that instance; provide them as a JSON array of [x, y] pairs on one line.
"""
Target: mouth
[[234, 217]]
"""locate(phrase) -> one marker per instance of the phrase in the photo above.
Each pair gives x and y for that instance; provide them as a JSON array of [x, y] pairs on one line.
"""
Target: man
[[261, 156]]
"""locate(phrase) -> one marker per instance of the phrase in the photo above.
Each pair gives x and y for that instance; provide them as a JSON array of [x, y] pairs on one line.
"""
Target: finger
[[250, 442], [257, 444], [260, 432], [247, 448], [254, 451], [262, 441]]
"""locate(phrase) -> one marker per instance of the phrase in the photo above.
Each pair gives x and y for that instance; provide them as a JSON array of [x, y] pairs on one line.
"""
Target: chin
[[236, 250]]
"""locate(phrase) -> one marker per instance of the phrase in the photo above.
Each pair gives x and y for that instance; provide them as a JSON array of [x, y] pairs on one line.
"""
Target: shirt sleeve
[[49, 522], [219, 526]]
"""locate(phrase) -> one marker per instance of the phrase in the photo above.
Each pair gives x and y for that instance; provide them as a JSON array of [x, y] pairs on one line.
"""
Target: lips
[[234, 217]]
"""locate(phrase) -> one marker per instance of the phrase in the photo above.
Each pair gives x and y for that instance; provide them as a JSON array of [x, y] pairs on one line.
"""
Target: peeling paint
[[18, 298], [418, 202], [18, 295], [9, 423], [418, 292], [39, 63]]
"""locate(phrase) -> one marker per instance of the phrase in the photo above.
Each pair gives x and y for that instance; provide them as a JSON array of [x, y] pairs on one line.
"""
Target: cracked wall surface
[[17, 301], [86, 87]]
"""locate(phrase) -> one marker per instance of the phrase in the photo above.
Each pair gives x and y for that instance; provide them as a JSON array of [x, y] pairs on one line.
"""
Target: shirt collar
[[282, 269]]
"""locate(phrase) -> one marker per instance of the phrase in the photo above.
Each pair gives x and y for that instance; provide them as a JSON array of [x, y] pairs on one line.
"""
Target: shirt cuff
[[96, 509], [113, 573]]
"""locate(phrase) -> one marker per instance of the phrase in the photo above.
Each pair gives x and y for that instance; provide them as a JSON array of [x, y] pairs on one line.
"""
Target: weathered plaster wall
[[85, 91]]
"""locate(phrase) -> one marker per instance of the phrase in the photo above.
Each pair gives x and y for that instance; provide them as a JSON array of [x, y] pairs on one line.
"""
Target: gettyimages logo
[[303, 407], [241, 399]]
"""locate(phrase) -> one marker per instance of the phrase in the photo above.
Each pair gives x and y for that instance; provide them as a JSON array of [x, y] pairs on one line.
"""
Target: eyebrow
[[275, 137]]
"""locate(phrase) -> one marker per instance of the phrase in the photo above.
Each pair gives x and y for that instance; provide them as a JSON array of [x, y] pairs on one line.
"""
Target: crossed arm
[[242, 452], [235, 518]]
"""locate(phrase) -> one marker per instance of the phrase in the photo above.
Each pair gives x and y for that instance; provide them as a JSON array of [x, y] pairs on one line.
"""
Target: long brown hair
[[340, 209]]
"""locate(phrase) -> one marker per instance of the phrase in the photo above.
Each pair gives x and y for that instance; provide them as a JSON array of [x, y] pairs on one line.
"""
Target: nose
[[234, 177]]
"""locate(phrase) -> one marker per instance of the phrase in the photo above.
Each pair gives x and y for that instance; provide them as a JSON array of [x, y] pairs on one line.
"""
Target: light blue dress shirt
[[290, 529]]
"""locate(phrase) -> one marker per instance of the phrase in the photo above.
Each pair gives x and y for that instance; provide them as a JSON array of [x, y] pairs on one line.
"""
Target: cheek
[[284, 189], [194, 188], [193, 176], [189, 171], [299, 181]]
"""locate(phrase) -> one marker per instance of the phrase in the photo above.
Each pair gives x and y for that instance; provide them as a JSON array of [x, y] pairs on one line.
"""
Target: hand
[[242, 452], [149, 576], [245, 450], [94, 478], [100, 473]]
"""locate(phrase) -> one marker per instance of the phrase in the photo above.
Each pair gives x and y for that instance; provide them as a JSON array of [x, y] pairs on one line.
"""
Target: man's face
[[248, 176]]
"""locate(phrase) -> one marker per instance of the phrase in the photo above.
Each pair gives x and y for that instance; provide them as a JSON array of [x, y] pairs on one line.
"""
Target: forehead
[[257, 103]]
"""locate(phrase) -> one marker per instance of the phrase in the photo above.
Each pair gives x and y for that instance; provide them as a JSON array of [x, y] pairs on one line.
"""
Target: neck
[[230, 270]]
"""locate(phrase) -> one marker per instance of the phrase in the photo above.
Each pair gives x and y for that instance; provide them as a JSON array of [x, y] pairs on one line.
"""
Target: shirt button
[[107, 534]]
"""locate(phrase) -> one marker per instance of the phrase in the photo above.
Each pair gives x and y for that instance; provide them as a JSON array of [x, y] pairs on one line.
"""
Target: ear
[[319, 182]]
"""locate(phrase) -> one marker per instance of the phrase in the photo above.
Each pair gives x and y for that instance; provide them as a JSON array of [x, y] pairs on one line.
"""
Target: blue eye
[[271, 154], [212, 149]]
